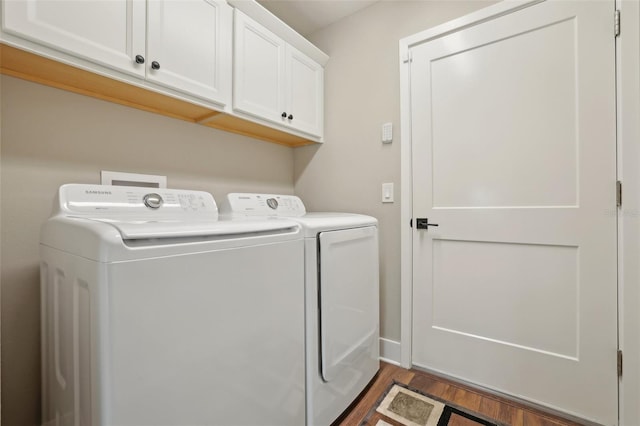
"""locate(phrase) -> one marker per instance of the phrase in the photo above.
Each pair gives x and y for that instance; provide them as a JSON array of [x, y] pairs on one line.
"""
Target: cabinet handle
[[139, 59], [290, 117], [155, 65], [284, 115]]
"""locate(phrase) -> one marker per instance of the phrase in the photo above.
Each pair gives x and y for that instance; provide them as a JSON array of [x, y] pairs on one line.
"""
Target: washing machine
[[341, 298], [154, 312]]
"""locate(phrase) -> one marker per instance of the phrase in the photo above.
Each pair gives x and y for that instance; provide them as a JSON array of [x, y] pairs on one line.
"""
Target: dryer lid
[[247, 205]]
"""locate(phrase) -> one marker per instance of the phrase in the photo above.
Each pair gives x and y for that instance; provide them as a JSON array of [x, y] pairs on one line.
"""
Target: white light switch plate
[[387, 133], [387, 192]]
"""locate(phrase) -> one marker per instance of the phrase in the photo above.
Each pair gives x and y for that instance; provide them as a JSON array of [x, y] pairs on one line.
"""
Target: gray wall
[[51, 137], [362, 91]]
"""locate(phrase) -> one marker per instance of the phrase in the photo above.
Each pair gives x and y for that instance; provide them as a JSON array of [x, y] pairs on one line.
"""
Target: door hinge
[[619, 363], [408, 58], [618, 193], [616, 23]]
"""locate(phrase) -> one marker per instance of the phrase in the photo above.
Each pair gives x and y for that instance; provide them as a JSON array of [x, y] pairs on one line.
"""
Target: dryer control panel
[[247, 204]]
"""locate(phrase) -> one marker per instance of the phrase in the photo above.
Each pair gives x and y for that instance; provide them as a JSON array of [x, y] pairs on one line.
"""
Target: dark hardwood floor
[[500, 410]]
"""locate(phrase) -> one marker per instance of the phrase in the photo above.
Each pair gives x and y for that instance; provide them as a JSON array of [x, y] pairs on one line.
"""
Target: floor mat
[[410, 407]]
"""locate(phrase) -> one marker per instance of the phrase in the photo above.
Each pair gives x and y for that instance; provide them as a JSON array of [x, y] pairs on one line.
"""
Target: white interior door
[[514, 157]]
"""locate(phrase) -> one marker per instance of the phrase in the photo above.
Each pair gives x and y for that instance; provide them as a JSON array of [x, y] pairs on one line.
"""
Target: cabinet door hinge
[[408, 57], [618, 193], [616, 23], [619, 363]]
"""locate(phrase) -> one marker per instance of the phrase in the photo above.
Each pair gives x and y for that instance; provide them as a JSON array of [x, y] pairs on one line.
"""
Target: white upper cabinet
[[275, 82], [304, 85], [255, 69], [182, 45], [189, 47], [259, 70], [109, 32]]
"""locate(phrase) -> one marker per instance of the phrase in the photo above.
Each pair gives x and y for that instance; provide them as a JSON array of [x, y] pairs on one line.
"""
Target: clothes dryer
[[341, 298], [156, 313]]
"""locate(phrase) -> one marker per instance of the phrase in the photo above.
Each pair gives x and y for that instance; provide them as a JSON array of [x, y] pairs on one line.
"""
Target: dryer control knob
[[153, 200]]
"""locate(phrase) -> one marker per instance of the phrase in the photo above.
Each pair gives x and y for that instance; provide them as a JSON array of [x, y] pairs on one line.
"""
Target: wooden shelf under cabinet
[[28, 66]]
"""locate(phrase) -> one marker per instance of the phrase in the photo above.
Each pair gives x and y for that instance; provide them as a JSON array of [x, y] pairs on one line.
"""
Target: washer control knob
[[273, 203], [153, 200]]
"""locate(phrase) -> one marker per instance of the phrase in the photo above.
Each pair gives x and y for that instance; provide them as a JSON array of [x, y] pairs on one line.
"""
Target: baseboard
[[390, 351]]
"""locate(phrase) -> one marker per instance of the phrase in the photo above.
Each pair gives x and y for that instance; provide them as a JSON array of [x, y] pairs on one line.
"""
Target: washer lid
[[136, 230], [116, 223], [144, 213]]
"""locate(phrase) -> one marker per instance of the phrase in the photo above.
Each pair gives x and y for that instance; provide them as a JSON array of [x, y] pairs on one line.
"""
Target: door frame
[[628, 142], [628, 135]]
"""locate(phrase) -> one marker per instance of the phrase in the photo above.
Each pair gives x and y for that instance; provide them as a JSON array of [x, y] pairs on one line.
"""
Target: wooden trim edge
[[28, 66]]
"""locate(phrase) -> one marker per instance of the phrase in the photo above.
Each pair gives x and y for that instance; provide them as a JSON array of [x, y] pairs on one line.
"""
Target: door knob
[[290, 117], [423, 223], [155, 65], [284, 115], [139, 59]]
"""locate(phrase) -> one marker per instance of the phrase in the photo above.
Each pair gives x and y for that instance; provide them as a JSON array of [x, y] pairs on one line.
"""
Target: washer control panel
[[117, 201], [247, 204]]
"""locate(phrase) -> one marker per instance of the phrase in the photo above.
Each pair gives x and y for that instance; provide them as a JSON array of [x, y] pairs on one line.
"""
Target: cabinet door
[[258, 73], [109, 32], [190, 41], [305, 92]]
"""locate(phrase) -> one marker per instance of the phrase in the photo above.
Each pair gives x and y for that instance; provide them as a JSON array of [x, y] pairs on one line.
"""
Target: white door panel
[[541, 270], [513, 145], [259, 74], [196, 60], [524, 138], [348, 298], [109, 32], [305, 80]]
